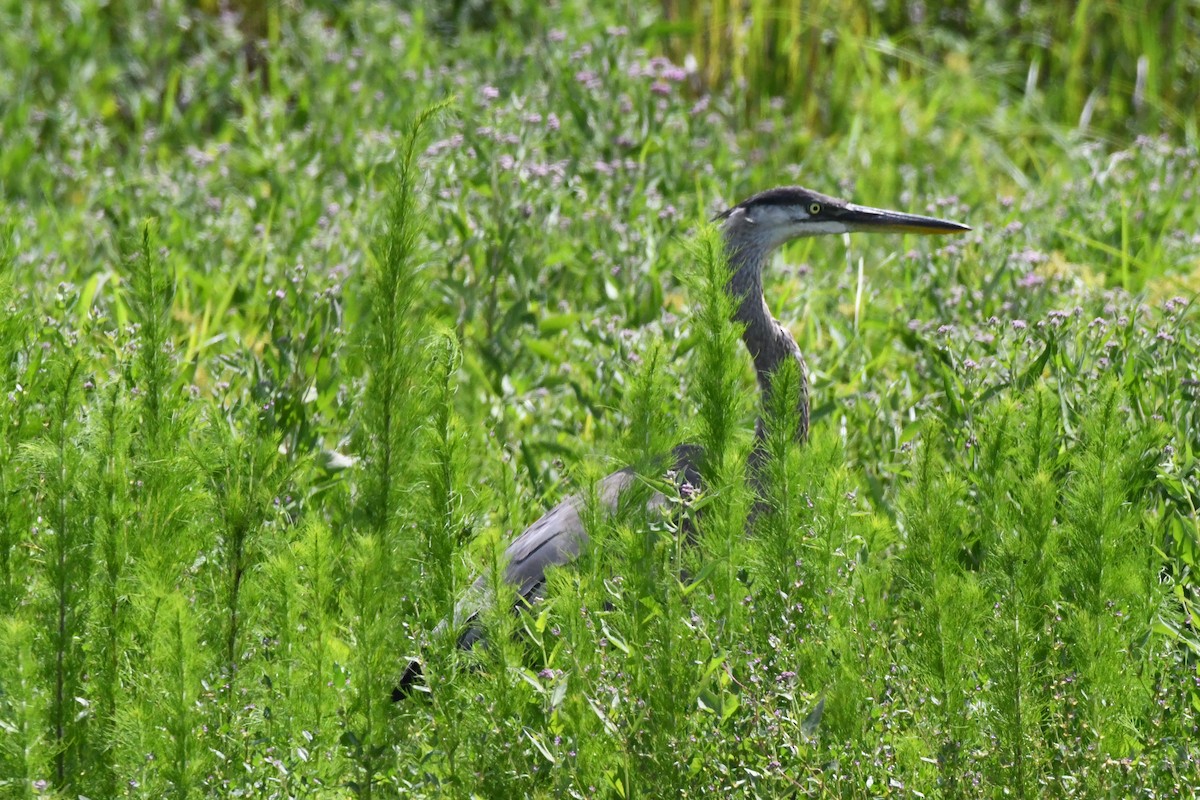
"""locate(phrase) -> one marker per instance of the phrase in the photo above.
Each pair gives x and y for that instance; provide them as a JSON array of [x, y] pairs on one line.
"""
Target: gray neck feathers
[[769, 342]]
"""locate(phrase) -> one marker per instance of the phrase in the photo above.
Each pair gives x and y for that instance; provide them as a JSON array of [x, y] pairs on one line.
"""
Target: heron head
[[776, 216]]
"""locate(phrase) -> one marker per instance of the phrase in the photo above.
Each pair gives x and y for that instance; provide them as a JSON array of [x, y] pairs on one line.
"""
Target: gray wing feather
[[555, 540]]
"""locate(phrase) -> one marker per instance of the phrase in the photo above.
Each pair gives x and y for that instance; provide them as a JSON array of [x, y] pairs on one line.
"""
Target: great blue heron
[[752, 231]]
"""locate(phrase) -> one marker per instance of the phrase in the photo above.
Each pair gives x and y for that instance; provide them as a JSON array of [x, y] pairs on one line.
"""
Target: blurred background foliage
[[1113, 68]]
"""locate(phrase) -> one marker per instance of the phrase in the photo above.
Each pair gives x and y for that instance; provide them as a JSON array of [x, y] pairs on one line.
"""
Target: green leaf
[[555, 323], [560, 691], [536, 740]]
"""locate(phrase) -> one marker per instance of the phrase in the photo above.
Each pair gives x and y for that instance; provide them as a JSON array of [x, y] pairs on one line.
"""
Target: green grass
[[283, 370]]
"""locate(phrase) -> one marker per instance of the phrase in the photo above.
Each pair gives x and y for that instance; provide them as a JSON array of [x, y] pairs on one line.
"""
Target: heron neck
[[770, 344]]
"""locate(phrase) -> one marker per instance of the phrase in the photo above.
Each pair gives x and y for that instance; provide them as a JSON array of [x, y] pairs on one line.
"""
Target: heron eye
[[814, 209]]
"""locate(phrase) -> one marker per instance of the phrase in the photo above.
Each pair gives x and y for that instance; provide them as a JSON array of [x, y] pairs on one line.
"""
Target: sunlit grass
[[267, 408]]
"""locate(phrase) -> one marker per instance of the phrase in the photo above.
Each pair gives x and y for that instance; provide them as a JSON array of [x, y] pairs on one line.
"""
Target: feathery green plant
[[645, 552], [167, 484], [246, 471], [63, 565], [19, 369], [151, 296], [172, 683], [306, 663], [1019, 484], [719, 402], [943, 604], [108, 618], [718, 396], [392, 344], [1109, 576], [24, 749], [385, 562], [444, 519], [441, 541]]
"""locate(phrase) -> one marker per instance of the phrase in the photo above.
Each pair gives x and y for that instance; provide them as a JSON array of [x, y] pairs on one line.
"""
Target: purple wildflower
[[588, 78]]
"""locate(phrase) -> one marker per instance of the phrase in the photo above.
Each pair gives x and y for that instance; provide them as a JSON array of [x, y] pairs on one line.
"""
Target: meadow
[[307, 309]]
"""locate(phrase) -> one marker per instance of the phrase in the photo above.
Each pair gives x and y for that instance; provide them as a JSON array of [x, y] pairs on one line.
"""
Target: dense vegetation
[[306, 311]]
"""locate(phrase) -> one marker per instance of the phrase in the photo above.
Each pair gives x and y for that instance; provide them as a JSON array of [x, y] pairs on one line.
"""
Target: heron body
[[752, 231], [557, 538]]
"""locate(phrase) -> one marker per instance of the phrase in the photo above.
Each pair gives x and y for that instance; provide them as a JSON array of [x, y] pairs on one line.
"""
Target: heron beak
[[878, 220]]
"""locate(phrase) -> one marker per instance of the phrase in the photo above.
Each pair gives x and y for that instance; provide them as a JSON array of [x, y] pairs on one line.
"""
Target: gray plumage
[[556, 539], [752, 231]]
